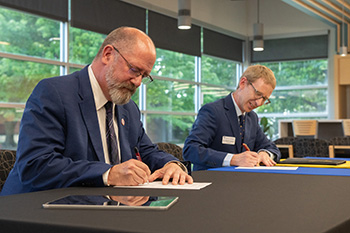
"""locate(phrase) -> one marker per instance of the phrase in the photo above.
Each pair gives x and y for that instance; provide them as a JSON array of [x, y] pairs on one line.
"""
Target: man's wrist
[[181, 165], [271, 155]]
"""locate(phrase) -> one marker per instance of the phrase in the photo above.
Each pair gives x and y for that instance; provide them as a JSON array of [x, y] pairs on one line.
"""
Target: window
[[83, 45], [26, 34], [34, 48], [170, 100], [174, 65], [168, 128], [219, 71], [173, 99], [220, 77], [301, 91], [30, 47]]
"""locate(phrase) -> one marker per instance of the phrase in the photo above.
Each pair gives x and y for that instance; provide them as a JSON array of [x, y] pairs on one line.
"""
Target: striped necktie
[[111, 138], [241, 126]]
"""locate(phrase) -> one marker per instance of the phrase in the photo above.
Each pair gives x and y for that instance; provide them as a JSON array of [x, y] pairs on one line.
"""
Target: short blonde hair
[[254, 72]]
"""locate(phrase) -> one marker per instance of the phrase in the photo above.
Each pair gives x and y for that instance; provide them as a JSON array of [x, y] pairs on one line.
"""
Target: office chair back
[[285, 145], [7, 160], [341, 144], [313, 147], [305, 128], [171, 148]]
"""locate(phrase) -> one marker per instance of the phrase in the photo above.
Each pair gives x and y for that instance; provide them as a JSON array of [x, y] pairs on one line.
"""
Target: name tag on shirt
[[228, 140]]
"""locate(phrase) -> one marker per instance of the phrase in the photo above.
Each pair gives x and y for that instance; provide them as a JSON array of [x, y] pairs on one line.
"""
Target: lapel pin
[[123, 121]]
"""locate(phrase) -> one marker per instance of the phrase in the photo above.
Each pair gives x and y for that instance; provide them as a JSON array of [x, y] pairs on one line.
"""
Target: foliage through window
[[301, 91], [183, 83]]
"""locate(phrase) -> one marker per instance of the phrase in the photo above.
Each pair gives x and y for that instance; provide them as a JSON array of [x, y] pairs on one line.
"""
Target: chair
[[305, 128], [338, 143], [171, 148], [312, 147], [176, 151], [7, 160], [346, 127], [285, 143]]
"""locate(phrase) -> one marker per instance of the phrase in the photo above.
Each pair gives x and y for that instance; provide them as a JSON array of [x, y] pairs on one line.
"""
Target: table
[[299, 171], [235, 202]]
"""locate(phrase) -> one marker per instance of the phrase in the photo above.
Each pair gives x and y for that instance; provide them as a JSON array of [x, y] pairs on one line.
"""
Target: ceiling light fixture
[[258, 40], [184, 15]]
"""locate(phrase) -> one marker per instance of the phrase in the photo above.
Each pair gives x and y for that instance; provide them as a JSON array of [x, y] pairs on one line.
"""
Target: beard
[[120, 92]]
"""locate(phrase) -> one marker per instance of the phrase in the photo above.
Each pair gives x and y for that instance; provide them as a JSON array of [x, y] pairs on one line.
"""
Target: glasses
[[259, 95], [133, 71]]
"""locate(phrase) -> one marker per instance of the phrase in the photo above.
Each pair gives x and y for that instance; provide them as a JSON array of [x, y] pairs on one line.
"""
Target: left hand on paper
[[265, 158], [171, 170]]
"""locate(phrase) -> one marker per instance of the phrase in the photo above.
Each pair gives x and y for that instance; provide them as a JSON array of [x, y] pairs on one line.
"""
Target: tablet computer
[[312, 161], [112, 202]]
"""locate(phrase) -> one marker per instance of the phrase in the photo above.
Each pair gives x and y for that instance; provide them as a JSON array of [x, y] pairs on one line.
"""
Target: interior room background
[[193, 67]]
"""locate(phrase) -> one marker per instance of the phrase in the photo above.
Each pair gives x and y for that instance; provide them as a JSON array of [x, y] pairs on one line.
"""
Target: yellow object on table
[[344, 165]]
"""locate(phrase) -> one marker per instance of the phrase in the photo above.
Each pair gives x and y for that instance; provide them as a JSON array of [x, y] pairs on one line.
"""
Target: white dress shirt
[[100, 101]]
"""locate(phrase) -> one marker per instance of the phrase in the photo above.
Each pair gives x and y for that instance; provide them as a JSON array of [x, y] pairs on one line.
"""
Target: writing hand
[[129, 173], [245, 159]]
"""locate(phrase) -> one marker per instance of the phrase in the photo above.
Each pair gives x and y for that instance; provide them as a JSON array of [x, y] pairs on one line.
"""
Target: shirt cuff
[[105, 177], [227, 160]]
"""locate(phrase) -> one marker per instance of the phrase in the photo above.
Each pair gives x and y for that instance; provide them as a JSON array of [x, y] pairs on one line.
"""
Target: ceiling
[[333, 12]]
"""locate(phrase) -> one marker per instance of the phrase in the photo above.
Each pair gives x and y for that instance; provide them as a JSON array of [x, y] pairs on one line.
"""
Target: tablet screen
[[112, 202]]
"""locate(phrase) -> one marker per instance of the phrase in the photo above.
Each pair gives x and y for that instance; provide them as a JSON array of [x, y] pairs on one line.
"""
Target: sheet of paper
[[159, 185], [268, 168]]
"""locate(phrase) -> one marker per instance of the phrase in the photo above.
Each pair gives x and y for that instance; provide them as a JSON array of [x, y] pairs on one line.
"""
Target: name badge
[[228, 140]]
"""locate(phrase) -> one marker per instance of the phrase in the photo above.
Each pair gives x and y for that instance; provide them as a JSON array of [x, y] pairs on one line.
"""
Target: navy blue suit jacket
[[205, 146], [60, 143]]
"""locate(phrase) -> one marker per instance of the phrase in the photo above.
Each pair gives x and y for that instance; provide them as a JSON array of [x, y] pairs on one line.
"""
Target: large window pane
[[292, 73], [210, 94], [27, 34], [18, 78], [174, 65], [9, 127], [170, 96], [168, 128], [84, 45], [136, 97], [296, 101], [301, 91], [218, 71], [73, 69]]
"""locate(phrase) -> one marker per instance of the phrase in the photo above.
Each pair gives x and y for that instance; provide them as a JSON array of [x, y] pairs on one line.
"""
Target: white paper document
[[159, 185], [268, 168]]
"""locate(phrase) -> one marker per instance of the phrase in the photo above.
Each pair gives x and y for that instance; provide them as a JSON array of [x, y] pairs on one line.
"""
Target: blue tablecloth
[[299, 171]]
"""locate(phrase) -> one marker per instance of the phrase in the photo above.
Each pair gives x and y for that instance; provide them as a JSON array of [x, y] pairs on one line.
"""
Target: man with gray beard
[[82, 129]]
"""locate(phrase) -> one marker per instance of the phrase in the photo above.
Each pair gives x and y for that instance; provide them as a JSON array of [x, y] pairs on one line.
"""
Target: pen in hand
[[138, 156], [246, 147]]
